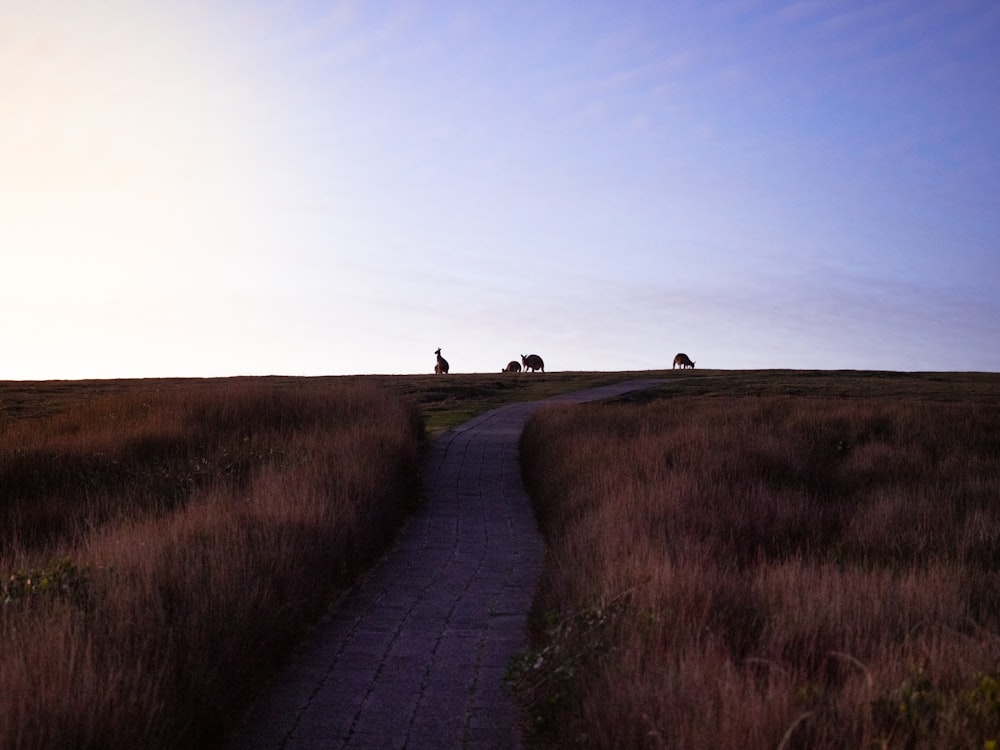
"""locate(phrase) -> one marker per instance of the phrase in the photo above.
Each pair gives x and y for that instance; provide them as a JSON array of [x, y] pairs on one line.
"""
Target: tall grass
[[766, 572], [164, 549]]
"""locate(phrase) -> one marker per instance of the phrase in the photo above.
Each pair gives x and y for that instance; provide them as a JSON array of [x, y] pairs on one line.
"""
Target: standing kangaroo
[[532, 362], [683, 360], [441, 368]]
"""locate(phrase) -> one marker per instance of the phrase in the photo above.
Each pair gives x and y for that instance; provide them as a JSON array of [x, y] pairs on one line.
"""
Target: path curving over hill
[[414, 655]]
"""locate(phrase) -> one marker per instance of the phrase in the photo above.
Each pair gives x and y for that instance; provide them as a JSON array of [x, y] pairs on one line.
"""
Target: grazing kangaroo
[[683, 360], [441, 368], [532, 362], [512, 366]]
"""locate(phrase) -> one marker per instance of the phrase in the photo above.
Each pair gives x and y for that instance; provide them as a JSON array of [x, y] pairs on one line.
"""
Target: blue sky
[[310, 188]]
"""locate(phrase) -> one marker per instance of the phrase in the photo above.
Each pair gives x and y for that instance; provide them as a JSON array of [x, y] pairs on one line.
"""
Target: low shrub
[[59, 579]]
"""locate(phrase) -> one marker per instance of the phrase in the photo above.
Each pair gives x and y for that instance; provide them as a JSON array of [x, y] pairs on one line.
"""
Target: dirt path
[[414, 656]]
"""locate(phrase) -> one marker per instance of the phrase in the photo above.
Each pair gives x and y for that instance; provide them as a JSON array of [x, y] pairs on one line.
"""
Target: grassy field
[[166, 540], [165, 543], [442, 401], [725, 544], [769, 560]]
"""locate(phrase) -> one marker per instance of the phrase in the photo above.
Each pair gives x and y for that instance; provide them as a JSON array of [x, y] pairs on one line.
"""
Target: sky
[[206, 188]]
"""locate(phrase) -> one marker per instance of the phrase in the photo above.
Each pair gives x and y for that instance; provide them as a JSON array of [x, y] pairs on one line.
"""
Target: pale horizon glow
[[209, 189]]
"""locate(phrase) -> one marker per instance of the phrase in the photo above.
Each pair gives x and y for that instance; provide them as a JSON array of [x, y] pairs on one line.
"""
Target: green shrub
[[919, 713], [543, 676], [59, 579]]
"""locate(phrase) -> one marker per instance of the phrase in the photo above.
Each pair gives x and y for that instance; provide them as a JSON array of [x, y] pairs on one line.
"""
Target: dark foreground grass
[[165, 546], [165, 541], [769, 560]]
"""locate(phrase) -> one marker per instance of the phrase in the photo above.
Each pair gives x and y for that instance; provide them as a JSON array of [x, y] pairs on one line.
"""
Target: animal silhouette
[[532, 362], [683, 361], [441, 368]]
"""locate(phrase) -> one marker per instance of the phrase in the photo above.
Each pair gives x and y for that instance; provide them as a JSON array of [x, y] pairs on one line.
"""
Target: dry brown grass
[[172, 541], [769, 570]]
